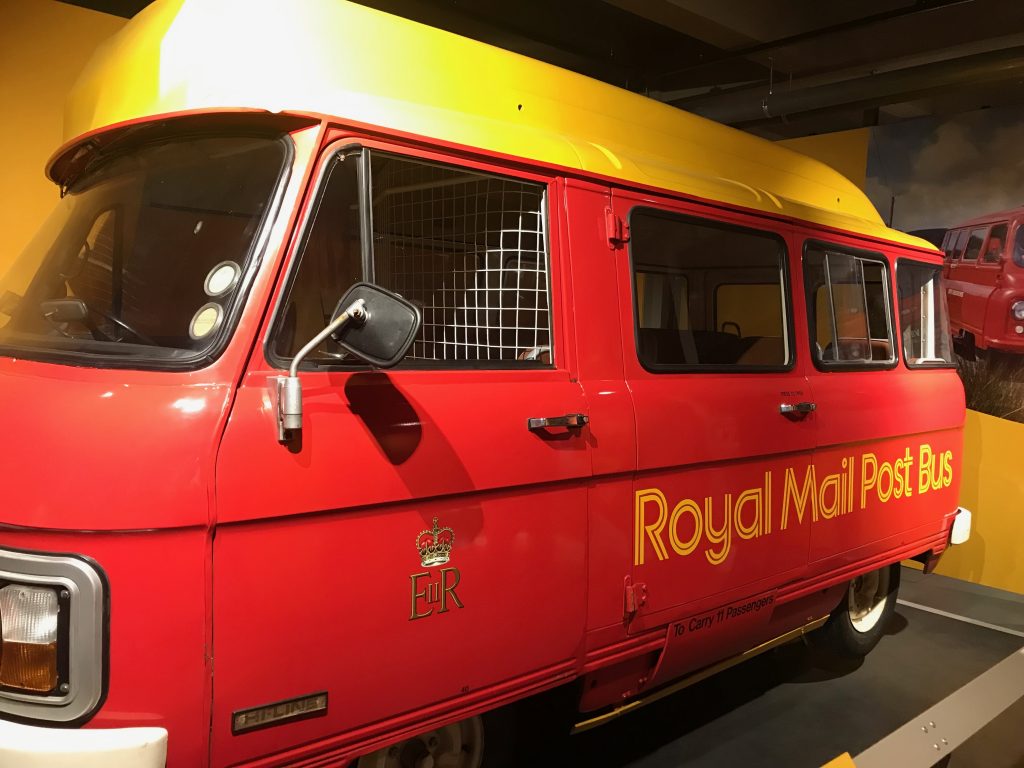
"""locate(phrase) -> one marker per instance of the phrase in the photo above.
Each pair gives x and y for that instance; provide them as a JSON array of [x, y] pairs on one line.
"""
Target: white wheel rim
[[459, 745], [867, 598]]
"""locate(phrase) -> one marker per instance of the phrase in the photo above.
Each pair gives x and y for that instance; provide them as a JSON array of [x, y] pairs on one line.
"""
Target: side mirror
[[373, 324], [391, 323], [65, 310]]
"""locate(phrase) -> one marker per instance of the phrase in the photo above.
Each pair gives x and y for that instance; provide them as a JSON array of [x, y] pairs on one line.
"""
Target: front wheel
[[458, 745], [859, 621]]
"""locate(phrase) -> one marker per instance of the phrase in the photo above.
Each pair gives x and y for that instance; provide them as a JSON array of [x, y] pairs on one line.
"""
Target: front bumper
[[27, 746]]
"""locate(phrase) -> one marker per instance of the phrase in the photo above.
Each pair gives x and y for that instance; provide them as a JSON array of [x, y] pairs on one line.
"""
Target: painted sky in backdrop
[[943, 171]]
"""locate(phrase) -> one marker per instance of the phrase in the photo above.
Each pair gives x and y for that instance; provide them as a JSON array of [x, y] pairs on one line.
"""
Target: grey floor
[[792, 707]]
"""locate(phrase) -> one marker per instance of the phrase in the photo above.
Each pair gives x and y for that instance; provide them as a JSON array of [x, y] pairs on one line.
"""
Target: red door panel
[[713, 453], [418, 546]]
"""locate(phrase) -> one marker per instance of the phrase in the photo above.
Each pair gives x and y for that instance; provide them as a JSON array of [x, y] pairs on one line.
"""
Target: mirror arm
[[289, 388]]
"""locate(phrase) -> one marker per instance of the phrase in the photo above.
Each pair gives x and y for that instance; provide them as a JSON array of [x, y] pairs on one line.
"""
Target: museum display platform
[[794, 707]]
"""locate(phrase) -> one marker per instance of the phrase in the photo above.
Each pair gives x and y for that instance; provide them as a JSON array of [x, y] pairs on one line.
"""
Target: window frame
[[786, 288], [911, 262], [888, 285], [422, 155]]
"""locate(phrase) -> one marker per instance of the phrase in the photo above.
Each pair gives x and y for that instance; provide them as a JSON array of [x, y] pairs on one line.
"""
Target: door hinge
[[617, 228], [635, 598]]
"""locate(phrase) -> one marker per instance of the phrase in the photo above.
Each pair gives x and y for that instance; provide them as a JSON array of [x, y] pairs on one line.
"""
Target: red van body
[[984, 273], [725, 452]]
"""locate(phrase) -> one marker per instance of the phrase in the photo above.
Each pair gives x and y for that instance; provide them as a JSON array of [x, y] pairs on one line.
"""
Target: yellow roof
[[337, 58]]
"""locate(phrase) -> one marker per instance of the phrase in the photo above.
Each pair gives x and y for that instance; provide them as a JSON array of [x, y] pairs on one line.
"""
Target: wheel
[[859, 621], [459, 745], [963, 345]]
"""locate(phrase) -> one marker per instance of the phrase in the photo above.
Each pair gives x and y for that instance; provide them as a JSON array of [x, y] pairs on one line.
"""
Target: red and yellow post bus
[[984, 274], [661, 395]]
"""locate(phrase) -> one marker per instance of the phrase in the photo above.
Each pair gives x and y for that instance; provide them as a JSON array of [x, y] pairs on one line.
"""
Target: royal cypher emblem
[[435, 545], [434, 592]]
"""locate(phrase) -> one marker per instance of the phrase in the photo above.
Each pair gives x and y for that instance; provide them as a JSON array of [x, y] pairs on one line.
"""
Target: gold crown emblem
[[435, 545]]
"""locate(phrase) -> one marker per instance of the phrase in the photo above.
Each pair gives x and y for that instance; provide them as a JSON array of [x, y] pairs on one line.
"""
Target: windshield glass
[[146, 255]]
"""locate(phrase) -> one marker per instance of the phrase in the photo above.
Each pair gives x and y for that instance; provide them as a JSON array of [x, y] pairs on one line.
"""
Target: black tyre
[[859, 621]]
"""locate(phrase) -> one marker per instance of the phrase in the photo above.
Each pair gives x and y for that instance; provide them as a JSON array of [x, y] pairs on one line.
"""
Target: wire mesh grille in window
[[470, 251]]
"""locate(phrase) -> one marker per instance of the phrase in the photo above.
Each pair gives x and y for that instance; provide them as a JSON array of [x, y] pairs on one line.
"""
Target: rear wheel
[[859, 621]]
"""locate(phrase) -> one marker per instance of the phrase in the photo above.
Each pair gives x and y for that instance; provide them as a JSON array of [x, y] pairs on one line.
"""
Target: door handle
[[797, 410], [570, 420]]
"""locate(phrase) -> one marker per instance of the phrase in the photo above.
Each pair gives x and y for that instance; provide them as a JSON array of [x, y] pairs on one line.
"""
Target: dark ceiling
[[778, 68]]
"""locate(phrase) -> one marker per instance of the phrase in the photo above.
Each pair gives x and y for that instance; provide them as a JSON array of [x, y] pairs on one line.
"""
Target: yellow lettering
[[753, 497], [722, 535], [800, 496], [830, 510], [686, 506], [924, 471], [652, 531], [947, 469], [868, 460]]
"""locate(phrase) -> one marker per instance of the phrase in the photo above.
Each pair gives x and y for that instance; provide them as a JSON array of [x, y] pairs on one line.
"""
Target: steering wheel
[[121, 324]]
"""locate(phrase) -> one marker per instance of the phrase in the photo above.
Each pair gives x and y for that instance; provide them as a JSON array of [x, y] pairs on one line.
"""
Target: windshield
[[145, 256]]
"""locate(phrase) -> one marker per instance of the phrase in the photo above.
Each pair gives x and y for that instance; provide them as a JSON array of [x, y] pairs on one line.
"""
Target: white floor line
[[958, 617]]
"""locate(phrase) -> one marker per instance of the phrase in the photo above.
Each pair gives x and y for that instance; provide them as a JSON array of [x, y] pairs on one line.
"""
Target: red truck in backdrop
[[984, 275]]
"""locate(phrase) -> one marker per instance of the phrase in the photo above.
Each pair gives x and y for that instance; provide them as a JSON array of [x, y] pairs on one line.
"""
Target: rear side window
[[996, 243], [707, 296], [849, 308], [924, 317], [977, 237]]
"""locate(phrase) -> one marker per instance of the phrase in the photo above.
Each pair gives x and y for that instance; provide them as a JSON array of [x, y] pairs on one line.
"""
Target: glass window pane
[[995, 244], [961, 243], [123, 264], [471, 251], [329, 264], [974, 244], [707, 295], [924, 317], [848, 302]]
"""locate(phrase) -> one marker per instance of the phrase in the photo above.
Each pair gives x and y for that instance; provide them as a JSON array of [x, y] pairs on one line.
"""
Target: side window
[[974, 244], [468, 248], [995, 244], [848, 307], [707, 295], [1018, 245], [961, 243], [924, 317]]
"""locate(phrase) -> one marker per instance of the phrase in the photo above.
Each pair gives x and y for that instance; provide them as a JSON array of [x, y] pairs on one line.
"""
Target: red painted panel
[[713, 449], [325, 603], [160, 670], [323, 566], [99, 450]]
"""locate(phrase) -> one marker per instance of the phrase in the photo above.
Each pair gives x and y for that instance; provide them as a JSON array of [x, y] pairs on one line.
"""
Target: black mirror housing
[[65, 310], [385, 333]]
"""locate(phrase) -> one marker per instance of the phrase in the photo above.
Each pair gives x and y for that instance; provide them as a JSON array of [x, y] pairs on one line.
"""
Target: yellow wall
[[846, 151], [993, 489], [43, 47]]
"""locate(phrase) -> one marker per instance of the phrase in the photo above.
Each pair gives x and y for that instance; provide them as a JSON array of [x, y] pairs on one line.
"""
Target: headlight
[[53, 646], [28, 626], [1017, 310]]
